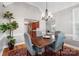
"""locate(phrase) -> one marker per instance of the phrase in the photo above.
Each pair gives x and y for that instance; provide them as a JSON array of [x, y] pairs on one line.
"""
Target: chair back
[[1, 50], [59, 40], [29, 44]]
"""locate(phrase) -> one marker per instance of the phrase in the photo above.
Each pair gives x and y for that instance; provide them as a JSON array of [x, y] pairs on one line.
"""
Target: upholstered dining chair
[[1, 50], [33, 50], [57, 45], [2, 45]]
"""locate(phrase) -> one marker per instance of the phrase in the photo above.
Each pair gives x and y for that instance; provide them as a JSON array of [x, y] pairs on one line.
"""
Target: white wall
[[21, 11], [64, 21], [2, 41]]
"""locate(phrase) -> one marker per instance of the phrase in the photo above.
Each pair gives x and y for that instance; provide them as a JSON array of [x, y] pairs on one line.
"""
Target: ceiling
[[53, 7]]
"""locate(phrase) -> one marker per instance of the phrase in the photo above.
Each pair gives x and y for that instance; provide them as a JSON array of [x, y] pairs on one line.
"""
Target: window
[[76, 24]]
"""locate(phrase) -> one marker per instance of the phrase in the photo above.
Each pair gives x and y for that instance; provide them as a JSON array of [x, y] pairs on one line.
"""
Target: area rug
[[66, 52]]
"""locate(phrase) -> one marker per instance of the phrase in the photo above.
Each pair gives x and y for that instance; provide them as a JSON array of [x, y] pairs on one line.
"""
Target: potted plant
[[11, 42], [10, 26]]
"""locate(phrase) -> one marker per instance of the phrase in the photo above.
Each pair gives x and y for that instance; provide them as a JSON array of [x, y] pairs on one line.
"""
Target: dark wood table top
[[41, 42]]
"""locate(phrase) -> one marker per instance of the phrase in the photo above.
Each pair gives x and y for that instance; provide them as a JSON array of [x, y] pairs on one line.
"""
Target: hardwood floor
[[21, 50], [6, 50]]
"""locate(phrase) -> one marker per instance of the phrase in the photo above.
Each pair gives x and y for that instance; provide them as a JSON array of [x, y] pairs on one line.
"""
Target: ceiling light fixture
[[47, 15]]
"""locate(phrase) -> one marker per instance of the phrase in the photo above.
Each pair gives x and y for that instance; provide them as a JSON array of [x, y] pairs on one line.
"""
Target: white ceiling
[[53, 6]]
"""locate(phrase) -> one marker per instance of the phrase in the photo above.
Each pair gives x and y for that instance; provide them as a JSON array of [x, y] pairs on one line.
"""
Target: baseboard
[[19, 43], [69, 35], [71, 46]]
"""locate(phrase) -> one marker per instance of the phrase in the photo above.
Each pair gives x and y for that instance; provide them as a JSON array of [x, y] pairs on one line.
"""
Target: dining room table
[[43, 41]]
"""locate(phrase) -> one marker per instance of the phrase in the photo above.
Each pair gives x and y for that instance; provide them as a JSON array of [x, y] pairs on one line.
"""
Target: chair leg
[[60, 51], [62, 46]]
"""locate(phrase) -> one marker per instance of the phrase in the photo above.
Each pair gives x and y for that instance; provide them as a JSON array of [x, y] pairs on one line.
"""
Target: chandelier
[[46, 15]]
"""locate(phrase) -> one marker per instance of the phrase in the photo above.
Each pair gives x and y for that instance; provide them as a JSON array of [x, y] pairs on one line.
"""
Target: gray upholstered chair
[[33, 50], [1, 50], [3, 42], [59, 42]]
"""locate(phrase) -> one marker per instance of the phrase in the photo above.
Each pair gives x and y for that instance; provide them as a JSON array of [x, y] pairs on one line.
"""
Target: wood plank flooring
[[6, 50]]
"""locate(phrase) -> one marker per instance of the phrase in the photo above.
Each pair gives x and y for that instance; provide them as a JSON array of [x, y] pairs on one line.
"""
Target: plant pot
[[10, 46]]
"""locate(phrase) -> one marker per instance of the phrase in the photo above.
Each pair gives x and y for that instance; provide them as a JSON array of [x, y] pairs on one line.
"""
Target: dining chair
[[2, 45], [57, 45], [33, 50], [1, 51]]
